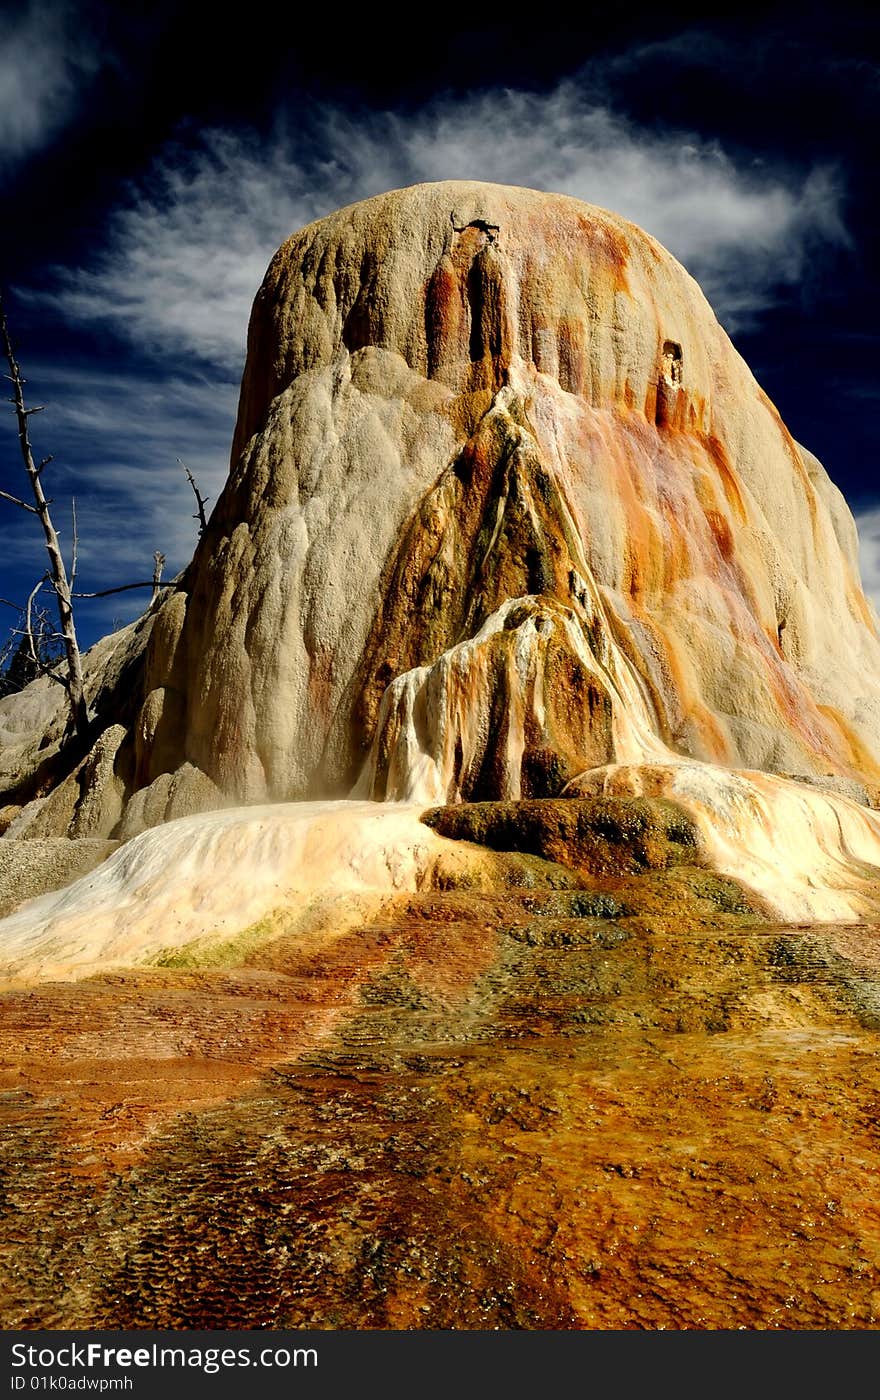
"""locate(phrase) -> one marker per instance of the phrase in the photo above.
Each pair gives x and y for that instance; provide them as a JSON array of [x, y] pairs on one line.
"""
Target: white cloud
[[43, 63], [868, 526], [182, 257], [117, 437], [186, 252]]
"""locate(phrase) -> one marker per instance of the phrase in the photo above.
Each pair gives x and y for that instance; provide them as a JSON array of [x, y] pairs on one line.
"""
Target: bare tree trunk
[[73, 682], [158, 566], [201, 501]]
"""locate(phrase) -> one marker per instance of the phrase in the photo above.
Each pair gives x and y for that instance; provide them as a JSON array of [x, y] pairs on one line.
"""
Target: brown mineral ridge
[[520, 1108]]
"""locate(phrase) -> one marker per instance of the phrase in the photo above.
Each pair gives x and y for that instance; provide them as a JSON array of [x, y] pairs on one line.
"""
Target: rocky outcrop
[[505, 505], [88, 803], [127, 776], [35, 867], [460, 395]]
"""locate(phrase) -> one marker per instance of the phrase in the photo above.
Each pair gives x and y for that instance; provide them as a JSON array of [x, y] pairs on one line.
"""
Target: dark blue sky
[[152, 156]]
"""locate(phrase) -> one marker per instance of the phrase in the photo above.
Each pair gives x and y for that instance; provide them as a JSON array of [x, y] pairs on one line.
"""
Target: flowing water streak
[[811, 855]]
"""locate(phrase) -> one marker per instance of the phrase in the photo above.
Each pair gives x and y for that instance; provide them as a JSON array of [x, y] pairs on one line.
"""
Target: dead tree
[[72, 676], [36, 633], [28, 638], [158, 566], [201, 501]]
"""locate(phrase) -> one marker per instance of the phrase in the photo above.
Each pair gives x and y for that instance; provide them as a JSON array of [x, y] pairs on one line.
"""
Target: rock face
[[31, 868], [460, 395], [504, 505]]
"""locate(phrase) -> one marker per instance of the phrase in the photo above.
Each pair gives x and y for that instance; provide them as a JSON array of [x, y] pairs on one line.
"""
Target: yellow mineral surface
[[489, 930]]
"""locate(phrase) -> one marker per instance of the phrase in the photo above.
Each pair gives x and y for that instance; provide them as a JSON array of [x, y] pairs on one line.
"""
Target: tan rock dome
[[460, 394], [505, 504], [507, 516]]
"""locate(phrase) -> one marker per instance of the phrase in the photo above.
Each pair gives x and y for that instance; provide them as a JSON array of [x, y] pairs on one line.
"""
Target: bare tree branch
[[28, 628], [39, 663], [122, 588], [74, 684], [44, 633], [17, 502], [201, 501], [74, 545]]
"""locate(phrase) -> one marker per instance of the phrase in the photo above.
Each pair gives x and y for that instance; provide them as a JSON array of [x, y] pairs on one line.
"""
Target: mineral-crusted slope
[[505, 506], [457, 395]]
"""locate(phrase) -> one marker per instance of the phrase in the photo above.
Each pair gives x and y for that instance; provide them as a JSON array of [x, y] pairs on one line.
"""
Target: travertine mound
[[504, 505], [202, 881], [507, 519], [457, 395]]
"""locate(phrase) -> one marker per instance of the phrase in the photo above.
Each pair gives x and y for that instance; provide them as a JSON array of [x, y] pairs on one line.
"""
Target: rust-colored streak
[[446, 327], [321, 667], [572, 356], [490, 328], [609, 250], [858, 602], [721, 533], [670, 407], [856, 752], [726, 474]]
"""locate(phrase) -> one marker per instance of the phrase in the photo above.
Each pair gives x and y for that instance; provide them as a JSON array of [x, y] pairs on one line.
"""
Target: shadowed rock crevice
[[495, 527]]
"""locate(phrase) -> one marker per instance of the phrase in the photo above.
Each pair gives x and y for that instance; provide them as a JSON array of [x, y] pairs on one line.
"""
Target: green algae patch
[[482, 869], [633, 858], [209, 951], [601, 836]]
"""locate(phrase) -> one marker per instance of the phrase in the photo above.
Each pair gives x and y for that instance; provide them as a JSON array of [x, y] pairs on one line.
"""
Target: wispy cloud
[[44, 60], [182, 257], [868, 526], [740, 227], [187, 251], [118, 437], [188, 248]]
